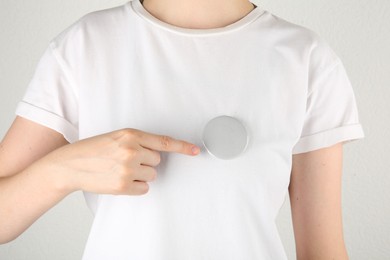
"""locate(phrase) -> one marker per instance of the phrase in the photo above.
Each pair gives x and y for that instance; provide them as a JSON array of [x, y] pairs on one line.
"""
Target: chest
[[175, 89]]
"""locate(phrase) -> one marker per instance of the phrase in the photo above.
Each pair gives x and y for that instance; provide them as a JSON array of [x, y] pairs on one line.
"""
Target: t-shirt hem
[[48, 119], [345, 134]]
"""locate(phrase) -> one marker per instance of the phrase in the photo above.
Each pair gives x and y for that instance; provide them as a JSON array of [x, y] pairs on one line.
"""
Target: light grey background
[[359, 32]]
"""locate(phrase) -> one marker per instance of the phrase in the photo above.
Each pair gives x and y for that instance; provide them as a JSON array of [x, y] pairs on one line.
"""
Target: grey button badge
[[225, 137]]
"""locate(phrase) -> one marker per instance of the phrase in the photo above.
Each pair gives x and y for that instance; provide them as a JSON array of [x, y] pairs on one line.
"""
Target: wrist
[[60, 180]]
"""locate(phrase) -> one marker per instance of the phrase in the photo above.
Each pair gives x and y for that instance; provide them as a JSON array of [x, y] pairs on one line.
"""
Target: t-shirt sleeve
[[331, 109], [51, 97]]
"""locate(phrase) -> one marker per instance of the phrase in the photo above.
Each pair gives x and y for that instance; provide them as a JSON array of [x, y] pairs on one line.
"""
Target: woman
[[117, 107]]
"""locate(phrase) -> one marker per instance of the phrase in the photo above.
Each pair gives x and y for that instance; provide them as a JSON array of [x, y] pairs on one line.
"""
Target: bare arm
[[38, 168], [25, 194], [315, 198]]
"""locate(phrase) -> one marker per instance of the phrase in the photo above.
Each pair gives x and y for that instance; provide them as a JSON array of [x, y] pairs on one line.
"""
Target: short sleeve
[[51, 97], [331, 109]]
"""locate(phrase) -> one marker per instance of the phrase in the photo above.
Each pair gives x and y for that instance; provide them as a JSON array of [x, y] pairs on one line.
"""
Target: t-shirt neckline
[[139, 9]]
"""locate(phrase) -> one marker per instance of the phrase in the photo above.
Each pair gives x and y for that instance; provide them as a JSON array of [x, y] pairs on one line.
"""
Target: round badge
[[225, 137]]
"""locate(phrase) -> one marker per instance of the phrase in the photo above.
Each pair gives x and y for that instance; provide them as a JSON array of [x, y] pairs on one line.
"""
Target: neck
[[198, 14]]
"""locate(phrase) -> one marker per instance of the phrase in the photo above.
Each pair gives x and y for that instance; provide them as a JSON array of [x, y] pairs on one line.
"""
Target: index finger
[[167, 144]]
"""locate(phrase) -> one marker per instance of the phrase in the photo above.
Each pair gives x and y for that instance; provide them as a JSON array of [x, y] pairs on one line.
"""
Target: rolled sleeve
[[51, 98], [331, 110]]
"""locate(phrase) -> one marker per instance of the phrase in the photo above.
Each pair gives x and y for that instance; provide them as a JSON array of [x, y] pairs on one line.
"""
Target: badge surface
[[225, 137]]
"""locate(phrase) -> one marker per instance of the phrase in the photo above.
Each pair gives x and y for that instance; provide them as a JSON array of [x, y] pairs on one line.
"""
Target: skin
[[315, 199], [199, 14], [38, 167]]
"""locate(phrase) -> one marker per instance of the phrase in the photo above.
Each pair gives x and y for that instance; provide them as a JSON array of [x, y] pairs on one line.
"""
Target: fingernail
[[195, 149]]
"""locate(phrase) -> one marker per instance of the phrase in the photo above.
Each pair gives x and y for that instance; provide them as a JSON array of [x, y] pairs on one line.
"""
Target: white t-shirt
[[123, 68]]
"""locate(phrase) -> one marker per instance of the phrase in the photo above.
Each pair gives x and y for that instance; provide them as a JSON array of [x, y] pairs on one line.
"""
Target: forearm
[[25, 196], [323, 251], [119, 162]]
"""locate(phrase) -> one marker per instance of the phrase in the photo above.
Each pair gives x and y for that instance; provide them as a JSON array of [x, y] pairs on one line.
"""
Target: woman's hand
[[38, 168], [119, 162]]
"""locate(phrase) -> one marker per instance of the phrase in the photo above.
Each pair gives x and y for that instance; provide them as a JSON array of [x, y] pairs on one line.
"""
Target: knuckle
[[129, 133], [124, 173], [123, 180], [129, 154], [124, 131], [121, 186], [165, 141], [127, 173]]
